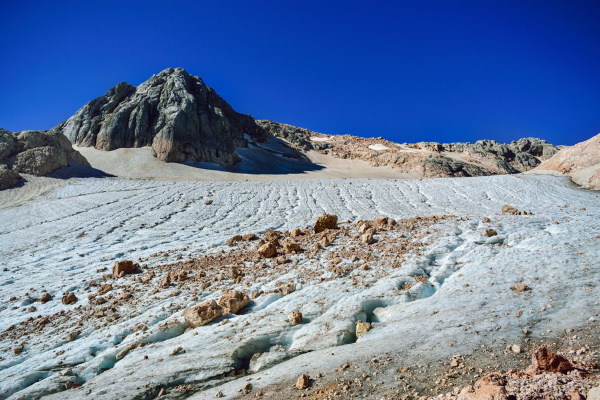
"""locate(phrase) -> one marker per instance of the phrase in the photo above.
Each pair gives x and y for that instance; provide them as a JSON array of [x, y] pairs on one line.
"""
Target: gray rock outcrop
[[174, 112], [423, 159], [35, 153]]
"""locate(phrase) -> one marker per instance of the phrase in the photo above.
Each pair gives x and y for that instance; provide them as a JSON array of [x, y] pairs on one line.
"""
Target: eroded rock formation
[[174, 112], [581, 162], [35, 153]]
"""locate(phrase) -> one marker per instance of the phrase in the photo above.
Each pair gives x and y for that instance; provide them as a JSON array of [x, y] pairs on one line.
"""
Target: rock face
[[424, 159], [173, 111], [35, 153], [581, 162]]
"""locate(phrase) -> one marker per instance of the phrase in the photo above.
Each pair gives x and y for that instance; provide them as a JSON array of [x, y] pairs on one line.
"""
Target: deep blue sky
[[408, 71]]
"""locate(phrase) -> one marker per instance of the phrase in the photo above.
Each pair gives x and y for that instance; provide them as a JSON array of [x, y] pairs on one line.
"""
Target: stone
[[175, 113], [249, 236], [233, 301], [490, 387], [594, 393], [367, 238], [509, 210], [521, 287], [362, 328], [208, 202], [233, 240], [296, 232], [72, 385], [123, 267], [33, 152], [489, 232], [575, 395], [103, 289], [202, 313], [326, 221], [516, 348], [287, 288], [291, 247], [8, 177], [69, 298], [544, 360], [383, 221], [165, 282], [126, 350], [303, 382], [46, 297], [295, 317], [267, 250]]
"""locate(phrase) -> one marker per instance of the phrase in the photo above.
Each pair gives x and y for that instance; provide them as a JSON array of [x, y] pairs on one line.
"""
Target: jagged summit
[[175, 113]]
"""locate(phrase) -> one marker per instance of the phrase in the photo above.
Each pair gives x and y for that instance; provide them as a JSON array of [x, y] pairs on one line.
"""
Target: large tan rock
[[326, 221], [232, 302], [202, 313], [267, 250], [544, 360], [123, 267]]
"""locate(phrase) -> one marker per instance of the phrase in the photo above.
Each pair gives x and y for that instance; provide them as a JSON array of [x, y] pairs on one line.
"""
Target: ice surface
[[58, 238]]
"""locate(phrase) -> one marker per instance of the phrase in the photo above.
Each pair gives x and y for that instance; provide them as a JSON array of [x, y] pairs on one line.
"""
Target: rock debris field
[[403, 289]]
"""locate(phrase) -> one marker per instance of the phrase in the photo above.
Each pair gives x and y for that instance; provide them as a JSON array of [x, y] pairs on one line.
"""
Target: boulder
[[326, 221], [295, 317], [267, 250], [544, 360], [303, 382], [291, 247], [509, 210], [232, 302], [8, 177], [202, 313], [33, 152], [362, 328], [123, 267], [489, 232], [69, 298]]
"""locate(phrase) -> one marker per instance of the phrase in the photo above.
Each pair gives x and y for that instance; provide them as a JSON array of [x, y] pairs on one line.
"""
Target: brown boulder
[[267, 250], [367, 238], [509, 210], [544, 360], [46, 297], [303, 382], [362, 328], [296, 232], [249, 236], [232, 302], [326, 221], [233, 240], [295, 317], [489, 232], [202, 313], [69, 298], [123, 267], [291, 247]]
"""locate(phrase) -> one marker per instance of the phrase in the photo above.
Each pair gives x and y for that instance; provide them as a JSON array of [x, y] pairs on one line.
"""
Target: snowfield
[[60, 235]]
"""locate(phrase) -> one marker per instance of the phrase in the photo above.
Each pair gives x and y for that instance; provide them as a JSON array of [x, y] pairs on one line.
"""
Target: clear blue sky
[[408, 71]]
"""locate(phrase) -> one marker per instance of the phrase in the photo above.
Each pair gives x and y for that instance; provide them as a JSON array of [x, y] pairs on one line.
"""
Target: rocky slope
[[33, 152], [426, 159], [173, 111], [581, 162]]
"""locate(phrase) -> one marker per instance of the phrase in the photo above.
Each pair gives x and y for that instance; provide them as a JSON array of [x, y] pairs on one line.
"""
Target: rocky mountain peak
[[175, 113]]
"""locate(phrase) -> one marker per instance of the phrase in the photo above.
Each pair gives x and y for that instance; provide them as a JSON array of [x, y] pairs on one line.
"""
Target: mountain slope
[[426, 159], [581, 162], [173, 111]]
